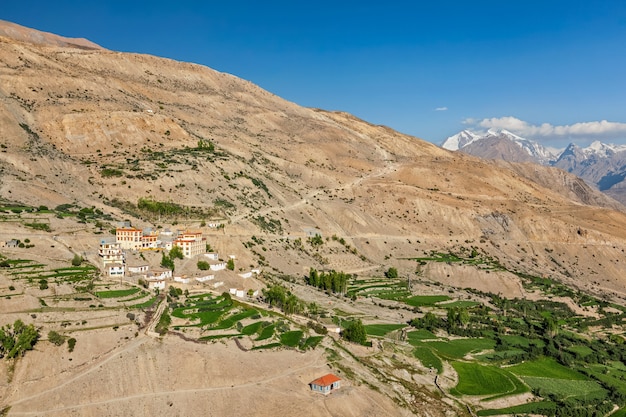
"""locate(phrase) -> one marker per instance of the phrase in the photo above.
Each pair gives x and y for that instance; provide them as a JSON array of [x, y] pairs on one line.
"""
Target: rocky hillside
[[103, 129]]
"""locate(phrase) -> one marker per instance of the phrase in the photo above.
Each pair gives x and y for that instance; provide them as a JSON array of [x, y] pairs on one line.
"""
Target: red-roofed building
[[326, 384]]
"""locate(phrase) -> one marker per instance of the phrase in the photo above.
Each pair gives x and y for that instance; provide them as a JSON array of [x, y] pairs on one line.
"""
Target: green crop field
[[540, 407], [546, 368], [458, 348], [382, 329], [428, 358], [476, 379], [291, 338], [417, 336], [312, 342], [251, 329], [117, 293], [267, 332], [230, 321], [425, 300], [566, 388]]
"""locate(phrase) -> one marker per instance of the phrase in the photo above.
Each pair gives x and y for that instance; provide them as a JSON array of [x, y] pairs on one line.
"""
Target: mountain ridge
[[601, 165]]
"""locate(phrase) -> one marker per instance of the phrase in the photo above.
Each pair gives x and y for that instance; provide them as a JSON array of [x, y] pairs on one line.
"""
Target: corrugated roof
[[326, 380]]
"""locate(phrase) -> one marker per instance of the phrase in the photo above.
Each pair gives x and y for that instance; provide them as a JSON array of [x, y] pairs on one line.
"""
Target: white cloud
[[585, 130], [441, 109]]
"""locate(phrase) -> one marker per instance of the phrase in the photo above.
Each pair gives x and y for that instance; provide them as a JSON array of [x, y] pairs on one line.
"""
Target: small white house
[[138, 269], [115, 270], [214, 256], [237, 292], [220, 266], [159, 273], [182, 280], [246, 275], [156, 283], [205, 278]]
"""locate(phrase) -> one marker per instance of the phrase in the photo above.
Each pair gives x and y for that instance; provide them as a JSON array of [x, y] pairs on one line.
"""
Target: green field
[[458, 348], [476, 379], [382, 329], [312, 342], [428, 358], [425, 300], [566, 388], [267, 332], [117, 293], [291, 338], [540, 407], [546, 368], [417, 336]]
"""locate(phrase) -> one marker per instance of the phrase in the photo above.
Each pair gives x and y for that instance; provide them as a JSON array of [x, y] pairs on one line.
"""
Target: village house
[[13, 243], [138, 269], [205, 278], [131, 238], [115, 270], [110, 251], [159, 274], [326, 384], [156, 283], [191, 243]]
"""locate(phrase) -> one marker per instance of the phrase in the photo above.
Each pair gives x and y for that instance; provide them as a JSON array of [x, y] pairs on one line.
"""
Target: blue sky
[[554, 71]]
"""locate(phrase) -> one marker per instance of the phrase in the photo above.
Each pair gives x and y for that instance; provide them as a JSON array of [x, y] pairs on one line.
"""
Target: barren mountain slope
[[100, 126]]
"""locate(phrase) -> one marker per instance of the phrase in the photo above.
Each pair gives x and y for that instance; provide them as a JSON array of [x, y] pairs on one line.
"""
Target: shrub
[[56, 338], [203, 265], [77, 260], [71, 343]]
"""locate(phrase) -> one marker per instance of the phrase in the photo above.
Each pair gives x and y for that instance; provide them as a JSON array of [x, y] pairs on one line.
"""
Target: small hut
[[326, 384]]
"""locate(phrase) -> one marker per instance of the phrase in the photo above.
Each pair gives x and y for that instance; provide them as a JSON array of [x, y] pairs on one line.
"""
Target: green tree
[[230, 264], [355, 332], [176, 253], [203, 265], [15, 340], [167, 262]]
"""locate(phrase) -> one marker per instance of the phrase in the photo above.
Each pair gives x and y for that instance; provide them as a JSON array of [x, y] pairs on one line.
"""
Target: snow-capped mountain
[[600, 165], [496, 144], [460, 140]]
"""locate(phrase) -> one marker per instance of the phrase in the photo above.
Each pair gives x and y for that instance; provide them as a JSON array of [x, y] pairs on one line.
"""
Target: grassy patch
[[476, 379], [267, 332], [458, 348], [312, 342], [291, 338], [540, 408], [566, 388], [428, 358], [417, 336], [382, 329], [253, 328], [116, 293], [546, 368]]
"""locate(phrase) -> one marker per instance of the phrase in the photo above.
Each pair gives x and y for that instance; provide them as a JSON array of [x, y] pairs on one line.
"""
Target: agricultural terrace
[[210, 317], [500, 347]]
